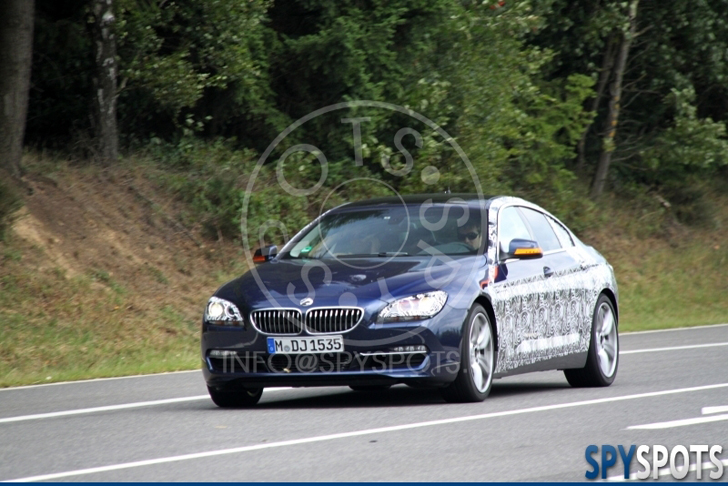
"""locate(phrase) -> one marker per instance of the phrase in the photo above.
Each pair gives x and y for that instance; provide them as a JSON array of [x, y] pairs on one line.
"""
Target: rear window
[[543, 231], [561, 232]]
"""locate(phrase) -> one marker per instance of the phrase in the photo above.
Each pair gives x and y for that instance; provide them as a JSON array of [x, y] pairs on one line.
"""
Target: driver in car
[[470, 234]]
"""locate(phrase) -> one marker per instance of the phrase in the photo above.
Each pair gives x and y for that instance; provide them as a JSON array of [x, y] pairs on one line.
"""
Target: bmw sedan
[[445, 291]]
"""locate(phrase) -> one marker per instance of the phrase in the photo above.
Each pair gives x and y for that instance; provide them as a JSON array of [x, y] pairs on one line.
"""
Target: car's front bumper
[[368, 357]]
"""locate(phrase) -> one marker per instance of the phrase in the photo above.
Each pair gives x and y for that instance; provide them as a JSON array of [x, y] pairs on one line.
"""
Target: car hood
[[285, 283]]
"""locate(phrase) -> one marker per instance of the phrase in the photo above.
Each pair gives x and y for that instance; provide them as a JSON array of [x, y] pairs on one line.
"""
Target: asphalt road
[[533, 427]]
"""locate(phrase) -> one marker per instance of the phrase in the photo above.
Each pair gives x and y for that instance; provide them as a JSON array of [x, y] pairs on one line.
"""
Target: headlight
[[222, 312], [414, 308]]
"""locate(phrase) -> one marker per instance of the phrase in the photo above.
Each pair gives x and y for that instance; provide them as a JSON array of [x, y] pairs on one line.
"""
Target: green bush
[[210, 177], [690, 205]]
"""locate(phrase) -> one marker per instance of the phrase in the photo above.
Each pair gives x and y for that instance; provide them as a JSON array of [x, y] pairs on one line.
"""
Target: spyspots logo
[[656, 461], [313, 174]]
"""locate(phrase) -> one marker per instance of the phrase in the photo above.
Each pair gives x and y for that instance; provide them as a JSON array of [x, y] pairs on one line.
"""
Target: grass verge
[[669, 275], [57, 328]]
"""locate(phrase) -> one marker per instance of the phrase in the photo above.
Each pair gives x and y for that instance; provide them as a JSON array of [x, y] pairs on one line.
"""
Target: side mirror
[[523, 249], [264, 254]]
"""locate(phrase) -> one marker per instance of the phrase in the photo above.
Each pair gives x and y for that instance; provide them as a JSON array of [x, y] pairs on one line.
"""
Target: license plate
[[305, 345]]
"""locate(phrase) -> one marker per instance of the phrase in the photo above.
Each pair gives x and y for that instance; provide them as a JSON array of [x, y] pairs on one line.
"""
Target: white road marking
[[673, 348], [357, 433], [107, 408], [679, 423], [652, 331], [666, 471], [200, 397], [708, 410], [93, 380]]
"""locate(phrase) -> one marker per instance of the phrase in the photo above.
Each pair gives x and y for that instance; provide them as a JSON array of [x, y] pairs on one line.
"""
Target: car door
[[577, 304], [559, 316], [517, 295]]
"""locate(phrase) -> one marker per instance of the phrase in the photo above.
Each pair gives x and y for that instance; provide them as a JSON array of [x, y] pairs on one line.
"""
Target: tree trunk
[[105, 92], [16, 55], [604, 74], [615, 90]]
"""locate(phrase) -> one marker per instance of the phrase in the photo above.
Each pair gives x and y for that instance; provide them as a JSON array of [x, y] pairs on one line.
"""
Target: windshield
[[392, 231]]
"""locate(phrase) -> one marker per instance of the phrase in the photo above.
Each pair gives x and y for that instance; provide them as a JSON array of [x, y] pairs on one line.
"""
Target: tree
[[105, 93], [16, 47], [678, 47], [615, 90], [189, 66]]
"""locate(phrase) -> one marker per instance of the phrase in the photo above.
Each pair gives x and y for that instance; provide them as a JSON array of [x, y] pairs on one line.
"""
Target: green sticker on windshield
[[306, 249]]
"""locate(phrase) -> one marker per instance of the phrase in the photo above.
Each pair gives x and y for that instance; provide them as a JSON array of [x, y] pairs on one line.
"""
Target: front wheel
[[477, 358], [603, 357], [235, 398]]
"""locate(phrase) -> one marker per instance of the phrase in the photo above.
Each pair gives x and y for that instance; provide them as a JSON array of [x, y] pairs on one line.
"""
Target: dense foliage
[[673, 107], [205, 87]]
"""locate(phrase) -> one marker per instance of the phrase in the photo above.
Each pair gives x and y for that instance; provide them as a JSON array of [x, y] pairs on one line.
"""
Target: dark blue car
[[448, 291]]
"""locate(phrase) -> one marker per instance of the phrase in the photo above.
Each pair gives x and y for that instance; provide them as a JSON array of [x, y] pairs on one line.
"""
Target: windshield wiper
[[369, 255]]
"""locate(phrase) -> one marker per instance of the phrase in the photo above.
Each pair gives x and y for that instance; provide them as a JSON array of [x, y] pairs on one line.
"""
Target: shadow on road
[[507, 389], [397, 396]]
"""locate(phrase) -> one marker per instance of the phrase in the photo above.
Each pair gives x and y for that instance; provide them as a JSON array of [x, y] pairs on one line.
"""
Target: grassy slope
[[672, 277], [98, 280]]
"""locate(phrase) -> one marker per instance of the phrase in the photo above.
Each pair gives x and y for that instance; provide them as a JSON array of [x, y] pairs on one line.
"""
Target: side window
[[510, 226], [561, 233], [545, 235]]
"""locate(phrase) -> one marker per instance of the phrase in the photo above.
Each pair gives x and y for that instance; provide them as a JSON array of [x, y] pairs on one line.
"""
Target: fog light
[[416, 348], [222, 353]]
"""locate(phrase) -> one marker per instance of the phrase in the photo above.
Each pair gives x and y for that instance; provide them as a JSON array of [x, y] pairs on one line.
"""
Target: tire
[[235, 398], [603, 358], [370, 388], [477, 360]]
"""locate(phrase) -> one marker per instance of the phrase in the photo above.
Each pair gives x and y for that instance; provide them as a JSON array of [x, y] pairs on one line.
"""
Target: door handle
[[547, 272]]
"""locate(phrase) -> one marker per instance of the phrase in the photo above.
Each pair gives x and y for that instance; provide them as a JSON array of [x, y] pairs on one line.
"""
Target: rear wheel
[[477, 358], [235, 398], [603, 357]]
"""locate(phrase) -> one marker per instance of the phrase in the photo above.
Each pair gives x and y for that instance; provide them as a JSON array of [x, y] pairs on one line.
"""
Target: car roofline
[[412, 199]]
